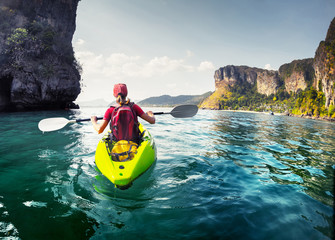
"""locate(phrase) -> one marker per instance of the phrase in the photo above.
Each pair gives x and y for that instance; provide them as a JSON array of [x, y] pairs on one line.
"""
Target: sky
[[173, 47]]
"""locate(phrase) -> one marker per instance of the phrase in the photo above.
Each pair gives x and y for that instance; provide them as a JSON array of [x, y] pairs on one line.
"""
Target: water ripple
[[221, 174]]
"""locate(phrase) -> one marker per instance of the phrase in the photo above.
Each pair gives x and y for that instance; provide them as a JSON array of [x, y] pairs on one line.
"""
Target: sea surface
[[218, 175]]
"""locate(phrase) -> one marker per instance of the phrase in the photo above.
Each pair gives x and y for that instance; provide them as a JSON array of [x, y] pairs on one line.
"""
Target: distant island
[[168, 101], [303, 88]]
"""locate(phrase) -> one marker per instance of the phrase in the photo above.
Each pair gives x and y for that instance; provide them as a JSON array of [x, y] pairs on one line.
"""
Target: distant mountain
[[167, 100]]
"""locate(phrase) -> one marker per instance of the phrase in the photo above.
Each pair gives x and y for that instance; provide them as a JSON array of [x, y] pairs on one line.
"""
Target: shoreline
[[328, 119]]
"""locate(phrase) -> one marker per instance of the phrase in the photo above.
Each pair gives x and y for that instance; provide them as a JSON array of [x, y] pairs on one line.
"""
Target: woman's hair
[[122, 99]]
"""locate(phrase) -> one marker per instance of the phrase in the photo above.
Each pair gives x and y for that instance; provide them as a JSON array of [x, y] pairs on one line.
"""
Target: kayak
[[122, 173]]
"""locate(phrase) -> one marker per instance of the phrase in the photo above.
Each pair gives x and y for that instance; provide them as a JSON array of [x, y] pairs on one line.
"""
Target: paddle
[[53, 124], [182, 111]]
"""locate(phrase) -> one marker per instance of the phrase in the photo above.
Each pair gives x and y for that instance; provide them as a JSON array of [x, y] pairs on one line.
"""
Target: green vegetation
[[330, 58], [246, 97], [43, 32], [331, 111], [309, 102], [19, 37], [22, 44], [35, 41], [19, 46], [31, 41]]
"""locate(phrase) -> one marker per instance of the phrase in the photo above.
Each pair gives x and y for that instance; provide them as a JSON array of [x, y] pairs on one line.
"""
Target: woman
[[120, 93]]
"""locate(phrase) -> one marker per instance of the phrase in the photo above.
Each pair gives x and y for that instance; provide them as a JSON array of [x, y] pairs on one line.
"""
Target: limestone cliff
[[267, 82], [37, 65], [318, 72], [324, 65], [297, 75], [231, 75]]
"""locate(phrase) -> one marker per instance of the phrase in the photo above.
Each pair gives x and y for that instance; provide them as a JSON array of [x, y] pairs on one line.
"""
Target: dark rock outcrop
[[37, 65]]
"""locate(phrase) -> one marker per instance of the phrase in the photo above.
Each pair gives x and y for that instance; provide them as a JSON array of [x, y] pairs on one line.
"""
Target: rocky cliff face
[[267, 81], [324, 65], [37, 65], [231, 75], [297, 75]]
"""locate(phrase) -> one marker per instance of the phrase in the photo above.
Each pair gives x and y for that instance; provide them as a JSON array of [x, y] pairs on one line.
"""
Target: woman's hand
[[149, 117], [98, 127], [94, 119], [150, 113]]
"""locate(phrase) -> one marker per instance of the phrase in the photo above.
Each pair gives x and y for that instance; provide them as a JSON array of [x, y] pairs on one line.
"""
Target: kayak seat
[[124, 151]]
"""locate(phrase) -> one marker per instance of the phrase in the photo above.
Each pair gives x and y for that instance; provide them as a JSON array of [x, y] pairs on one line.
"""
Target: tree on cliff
[[21, 45]]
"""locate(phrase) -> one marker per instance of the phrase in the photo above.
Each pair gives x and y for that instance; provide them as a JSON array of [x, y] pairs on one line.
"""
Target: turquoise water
[[219, 175]]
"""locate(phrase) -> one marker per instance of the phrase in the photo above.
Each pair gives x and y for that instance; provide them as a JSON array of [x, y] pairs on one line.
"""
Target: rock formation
[[324, 65], [37, 65], [297, 75], [267, 81], [231, 75]]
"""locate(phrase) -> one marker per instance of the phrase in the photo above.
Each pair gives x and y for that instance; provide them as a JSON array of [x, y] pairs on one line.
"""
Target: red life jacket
[[124, 124]]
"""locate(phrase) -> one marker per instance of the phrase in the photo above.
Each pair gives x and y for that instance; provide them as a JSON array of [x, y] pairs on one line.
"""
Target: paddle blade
[[52, 124], [184, 111]]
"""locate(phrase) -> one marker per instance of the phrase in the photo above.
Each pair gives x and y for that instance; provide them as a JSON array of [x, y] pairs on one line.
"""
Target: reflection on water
[[287, 150], [219, 175]]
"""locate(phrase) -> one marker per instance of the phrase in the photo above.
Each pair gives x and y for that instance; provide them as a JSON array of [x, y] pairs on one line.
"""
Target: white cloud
[[163, 65], [121, 65], [79, 42], [206, 66], [268, 67], [101, 72], [121, 58], [91, 63]]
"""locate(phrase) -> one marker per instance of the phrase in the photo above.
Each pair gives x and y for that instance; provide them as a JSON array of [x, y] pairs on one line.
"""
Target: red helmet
[[120, 88]]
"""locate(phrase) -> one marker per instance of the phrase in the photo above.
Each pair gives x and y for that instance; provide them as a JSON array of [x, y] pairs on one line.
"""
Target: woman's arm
[[149, 117], [99, 127]]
